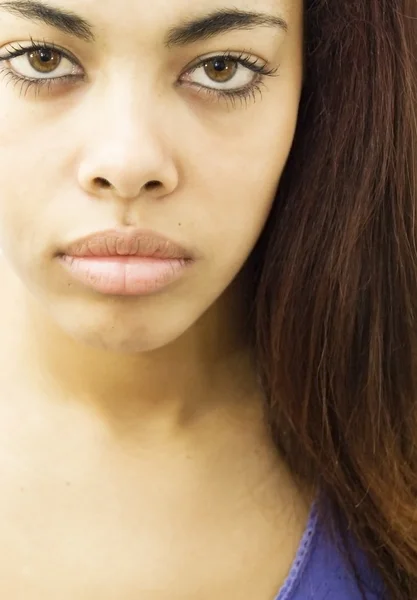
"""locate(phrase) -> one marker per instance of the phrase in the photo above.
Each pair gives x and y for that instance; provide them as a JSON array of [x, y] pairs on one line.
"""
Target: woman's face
[[135, 115]]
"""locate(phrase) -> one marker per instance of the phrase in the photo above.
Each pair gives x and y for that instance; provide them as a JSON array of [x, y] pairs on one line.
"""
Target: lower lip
[[125, 275]]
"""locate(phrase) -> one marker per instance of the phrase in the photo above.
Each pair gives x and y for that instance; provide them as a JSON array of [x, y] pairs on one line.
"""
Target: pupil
[[219, 65], [45, 55]]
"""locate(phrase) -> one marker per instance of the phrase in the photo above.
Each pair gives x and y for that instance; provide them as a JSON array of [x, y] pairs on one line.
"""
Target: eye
[[222, 73], [40, 62], [227, 72]]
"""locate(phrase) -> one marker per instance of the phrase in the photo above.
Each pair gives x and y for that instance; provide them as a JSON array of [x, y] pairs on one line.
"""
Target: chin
[[127, 330], [121, 342]]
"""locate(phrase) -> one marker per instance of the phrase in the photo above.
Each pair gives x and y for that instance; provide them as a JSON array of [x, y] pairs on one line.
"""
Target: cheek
[[236, 220], [32, 154], [24, 180], [239, 181]]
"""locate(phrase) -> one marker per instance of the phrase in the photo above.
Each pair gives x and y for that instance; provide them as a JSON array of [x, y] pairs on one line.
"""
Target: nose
[[126, 153]]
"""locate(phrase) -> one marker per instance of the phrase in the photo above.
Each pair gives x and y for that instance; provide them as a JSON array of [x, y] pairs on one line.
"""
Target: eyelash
[[35, 84], [243, 94]]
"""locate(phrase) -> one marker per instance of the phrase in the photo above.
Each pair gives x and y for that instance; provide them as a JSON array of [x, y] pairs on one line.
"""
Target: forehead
[[145, 13], [121, 22], [155, 7]]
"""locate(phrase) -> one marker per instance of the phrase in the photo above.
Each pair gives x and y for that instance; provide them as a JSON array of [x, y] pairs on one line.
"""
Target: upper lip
[[136, 242]]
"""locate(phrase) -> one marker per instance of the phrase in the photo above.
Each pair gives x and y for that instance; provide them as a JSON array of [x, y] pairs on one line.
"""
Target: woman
[[207, 221]]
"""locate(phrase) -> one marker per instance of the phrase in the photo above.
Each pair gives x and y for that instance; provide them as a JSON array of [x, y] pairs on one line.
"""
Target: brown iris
[[44, 60], [220, 70]]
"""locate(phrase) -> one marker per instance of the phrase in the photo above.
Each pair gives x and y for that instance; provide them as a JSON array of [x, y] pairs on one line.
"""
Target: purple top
[[320, 572]]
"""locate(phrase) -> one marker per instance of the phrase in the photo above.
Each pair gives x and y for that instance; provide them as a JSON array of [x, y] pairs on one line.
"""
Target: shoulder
[[320, 570]]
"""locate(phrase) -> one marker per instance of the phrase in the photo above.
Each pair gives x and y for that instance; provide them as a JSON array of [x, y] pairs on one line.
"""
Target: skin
[[135, 460]]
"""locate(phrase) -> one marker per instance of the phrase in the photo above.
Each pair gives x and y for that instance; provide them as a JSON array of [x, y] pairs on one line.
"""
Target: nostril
[[104, 183], [151, 185]]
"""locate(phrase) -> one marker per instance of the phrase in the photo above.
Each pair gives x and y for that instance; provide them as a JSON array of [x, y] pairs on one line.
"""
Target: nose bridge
[[125, 143], [128, 110]]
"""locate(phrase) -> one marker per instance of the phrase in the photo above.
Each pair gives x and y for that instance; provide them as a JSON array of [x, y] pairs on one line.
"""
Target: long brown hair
[[336, 286]]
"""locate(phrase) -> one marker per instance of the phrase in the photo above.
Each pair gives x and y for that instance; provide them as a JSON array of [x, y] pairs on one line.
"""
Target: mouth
[[118, 243], [126, 262]]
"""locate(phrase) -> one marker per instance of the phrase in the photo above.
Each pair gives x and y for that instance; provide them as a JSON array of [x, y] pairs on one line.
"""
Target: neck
[[205, 369]]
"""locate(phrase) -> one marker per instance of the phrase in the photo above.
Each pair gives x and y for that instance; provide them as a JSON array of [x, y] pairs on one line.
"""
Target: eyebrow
[[188, 32], [61, 19], [221, 21]]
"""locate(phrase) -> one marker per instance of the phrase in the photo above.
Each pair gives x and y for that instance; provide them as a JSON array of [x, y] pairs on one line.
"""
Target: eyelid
[[231, 54], [19, 50]]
